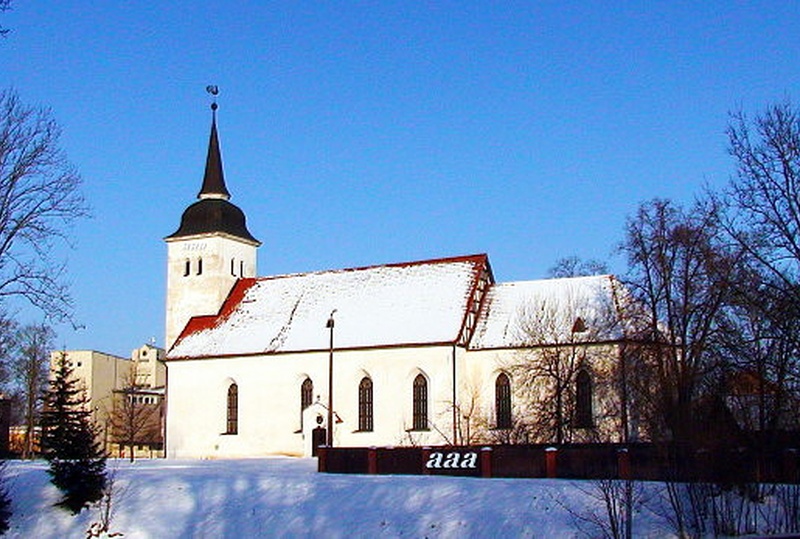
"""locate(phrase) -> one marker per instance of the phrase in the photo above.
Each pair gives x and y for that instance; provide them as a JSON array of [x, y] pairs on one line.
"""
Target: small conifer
[[69, 440]]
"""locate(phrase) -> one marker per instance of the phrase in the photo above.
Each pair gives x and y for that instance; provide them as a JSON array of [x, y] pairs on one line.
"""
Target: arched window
[[199, 266], [306, 394], [502, 401], [232, 423], [579, 326], [583, 399], [420, 398], [306, 397], [187, 269], [365, 404]]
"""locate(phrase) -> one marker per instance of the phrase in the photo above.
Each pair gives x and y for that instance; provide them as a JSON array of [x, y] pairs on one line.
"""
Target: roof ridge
[[444, 260], [602, 276]]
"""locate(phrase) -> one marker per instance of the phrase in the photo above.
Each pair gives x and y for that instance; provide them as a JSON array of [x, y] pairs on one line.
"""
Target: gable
[[547, 312]]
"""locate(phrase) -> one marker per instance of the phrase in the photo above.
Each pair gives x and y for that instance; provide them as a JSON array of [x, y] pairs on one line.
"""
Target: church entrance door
[[318, 438]]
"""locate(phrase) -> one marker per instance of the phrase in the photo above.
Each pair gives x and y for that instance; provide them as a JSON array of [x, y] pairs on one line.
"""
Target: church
[[430, 352]]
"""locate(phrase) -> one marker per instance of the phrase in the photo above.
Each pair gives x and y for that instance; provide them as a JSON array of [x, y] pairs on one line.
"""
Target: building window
[[232, 423], [199, 266], [502, 401], [365, 404], [306, 394], [241, 268], [583, 399], [233, 266], [579, 326], [420, 411], [187, 268]]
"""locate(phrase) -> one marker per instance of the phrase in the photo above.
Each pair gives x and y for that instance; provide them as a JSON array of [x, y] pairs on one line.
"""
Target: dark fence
[[647, 462]]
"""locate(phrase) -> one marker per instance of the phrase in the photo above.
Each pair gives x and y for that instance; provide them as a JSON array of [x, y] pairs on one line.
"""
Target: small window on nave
[[306, 394], [306, 397], [365, 418], [579, 326], [232, 415], [583, 400], [420, 403], [502, 399]]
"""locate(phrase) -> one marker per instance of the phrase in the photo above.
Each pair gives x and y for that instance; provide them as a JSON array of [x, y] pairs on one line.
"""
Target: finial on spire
[[214, 91]]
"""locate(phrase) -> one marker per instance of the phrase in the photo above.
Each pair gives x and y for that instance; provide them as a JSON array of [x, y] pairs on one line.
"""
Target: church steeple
[[211, 249], [214, 179], [213, 213]]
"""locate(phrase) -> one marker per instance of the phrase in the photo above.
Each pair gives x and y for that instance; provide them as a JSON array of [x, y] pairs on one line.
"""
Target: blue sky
[[360, 133]]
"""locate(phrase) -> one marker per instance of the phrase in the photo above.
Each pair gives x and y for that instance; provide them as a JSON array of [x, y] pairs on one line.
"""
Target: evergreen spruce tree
[[77, 463]]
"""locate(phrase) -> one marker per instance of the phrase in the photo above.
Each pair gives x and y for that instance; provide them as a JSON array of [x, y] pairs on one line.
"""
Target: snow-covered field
[[286, 497]]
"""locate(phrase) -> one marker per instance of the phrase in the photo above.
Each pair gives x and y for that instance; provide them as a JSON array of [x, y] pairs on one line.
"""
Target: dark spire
[[214, 179], [213, 213]]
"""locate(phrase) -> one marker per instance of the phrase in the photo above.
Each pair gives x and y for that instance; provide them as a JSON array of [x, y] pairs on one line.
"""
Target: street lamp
[[329, 325]]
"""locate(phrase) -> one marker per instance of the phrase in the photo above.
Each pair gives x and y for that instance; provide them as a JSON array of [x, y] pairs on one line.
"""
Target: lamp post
[[329, 325]]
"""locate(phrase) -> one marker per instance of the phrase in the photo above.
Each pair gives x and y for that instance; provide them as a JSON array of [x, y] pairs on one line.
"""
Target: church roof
[[390, 305], [545, 312], [213, 215]]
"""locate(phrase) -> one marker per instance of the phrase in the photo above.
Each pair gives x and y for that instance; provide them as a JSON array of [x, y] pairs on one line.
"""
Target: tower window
[[420, 403], [233, 265], [199, 266], [365, 404], [241, 268], [502, 400], [187, 268]]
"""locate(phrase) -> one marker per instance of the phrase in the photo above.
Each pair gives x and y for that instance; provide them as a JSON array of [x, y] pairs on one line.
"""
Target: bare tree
[[572, 266], [763, 219], [678, 275], [8, 341], [611, 517], [136, 415], [763, 361], [5, 5], [562, 337], [40, 199], [30, 371], [765, 193]]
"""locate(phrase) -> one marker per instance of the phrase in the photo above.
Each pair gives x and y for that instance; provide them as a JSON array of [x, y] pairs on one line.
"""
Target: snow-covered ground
[[286, 497]]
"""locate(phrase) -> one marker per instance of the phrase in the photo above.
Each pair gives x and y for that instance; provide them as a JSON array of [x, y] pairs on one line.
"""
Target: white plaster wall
[[481, 369], [269, 401], [197, 295]]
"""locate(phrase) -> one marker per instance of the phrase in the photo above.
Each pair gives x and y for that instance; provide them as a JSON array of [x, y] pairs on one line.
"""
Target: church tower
[[211, 249]]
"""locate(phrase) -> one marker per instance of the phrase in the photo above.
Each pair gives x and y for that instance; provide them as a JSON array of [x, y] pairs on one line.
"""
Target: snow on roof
[[398, 304], [527, 313]]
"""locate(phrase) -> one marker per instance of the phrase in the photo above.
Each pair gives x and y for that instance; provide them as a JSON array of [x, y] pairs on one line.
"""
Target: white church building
[[429, 352]]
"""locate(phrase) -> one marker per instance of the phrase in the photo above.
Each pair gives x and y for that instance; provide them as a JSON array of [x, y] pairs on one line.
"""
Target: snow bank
[[285, 497]]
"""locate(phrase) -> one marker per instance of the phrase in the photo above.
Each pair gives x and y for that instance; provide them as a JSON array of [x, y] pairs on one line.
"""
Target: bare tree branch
[[40, 200]]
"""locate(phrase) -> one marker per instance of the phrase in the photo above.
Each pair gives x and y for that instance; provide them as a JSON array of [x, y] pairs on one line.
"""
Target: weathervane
[[214, 91]]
